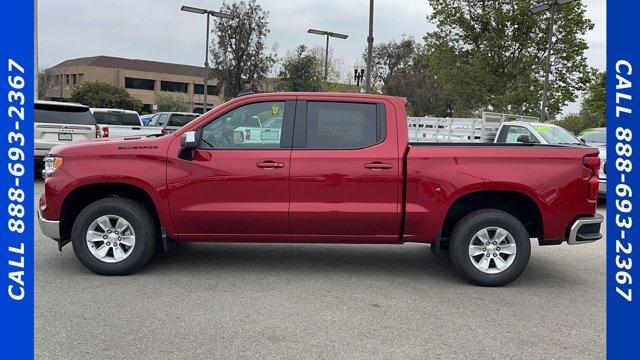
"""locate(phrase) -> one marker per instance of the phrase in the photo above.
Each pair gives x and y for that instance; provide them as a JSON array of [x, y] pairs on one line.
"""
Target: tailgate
[[47, 133]]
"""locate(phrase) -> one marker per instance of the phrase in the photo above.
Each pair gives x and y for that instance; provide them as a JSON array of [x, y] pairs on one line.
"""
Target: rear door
[[345, 172], [237, 187], [56, 124]]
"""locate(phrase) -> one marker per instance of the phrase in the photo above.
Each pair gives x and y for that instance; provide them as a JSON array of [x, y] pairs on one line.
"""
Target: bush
[[171, 102], [103, 95]]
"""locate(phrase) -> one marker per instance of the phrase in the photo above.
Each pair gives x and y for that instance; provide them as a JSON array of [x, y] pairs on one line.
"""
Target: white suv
[[59, 123]]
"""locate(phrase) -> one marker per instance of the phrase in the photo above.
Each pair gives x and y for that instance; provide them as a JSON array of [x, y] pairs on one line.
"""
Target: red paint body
[[324, 195]]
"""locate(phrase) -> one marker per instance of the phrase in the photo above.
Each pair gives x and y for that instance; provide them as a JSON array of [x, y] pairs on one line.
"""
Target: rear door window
[[53, 114], [342, 125]]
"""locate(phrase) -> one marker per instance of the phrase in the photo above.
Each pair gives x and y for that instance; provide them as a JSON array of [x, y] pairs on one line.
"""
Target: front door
[[345, 173], [237, 186]]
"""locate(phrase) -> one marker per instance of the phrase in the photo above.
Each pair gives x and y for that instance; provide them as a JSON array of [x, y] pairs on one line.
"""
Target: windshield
[[594, 135], [556, 135], [180, 120]]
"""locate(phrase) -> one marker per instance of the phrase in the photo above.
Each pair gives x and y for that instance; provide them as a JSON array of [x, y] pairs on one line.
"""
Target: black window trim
[[300, 127], [286, 137]]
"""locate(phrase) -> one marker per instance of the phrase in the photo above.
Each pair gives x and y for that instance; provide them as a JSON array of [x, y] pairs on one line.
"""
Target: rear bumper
[[50, 228], [585, 230], [602, 187]]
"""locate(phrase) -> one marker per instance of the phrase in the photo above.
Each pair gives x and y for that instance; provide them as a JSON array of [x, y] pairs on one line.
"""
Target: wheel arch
[[518, 204], [80, 197]]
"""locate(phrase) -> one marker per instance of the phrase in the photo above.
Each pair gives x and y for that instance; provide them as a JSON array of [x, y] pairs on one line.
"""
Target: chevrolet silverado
[[334, 168]]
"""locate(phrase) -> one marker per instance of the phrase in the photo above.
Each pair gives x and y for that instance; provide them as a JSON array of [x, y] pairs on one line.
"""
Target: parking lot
[[244, 301]]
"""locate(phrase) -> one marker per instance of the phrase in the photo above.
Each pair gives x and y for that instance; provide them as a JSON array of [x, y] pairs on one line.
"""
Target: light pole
[[206, 51], [367, 83], [328, 34], [551, 6]]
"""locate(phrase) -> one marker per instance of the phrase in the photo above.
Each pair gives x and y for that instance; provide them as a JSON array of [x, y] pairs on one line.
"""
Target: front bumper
[[50, 228], [585, 230]]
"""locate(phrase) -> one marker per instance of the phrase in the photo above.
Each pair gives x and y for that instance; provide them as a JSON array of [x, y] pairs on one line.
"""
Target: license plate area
[[65, 137]]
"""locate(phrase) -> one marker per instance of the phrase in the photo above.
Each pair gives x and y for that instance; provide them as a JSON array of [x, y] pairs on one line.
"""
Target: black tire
[[463, 234], [146, 235]]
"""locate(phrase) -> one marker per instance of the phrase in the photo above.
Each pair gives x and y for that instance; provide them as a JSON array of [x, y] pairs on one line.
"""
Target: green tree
[[491, 54], [301, 71], [172, 102], [594, 103], [45, 78], [400, 69], [103, 95], [592, 109], [239, 52]]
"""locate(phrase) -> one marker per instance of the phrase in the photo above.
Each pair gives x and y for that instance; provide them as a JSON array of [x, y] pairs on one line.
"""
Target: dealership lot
[[226, 301]]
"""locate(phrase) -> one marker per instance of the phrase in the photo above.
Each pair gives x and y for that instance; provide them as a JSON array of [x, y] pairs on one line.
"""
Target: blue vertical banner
[[16, 180], [623, 180]]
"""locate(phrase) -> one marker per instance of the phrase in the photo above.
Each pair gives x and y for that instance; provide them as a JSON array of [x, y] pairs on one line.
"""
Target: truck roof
[[328, 95]]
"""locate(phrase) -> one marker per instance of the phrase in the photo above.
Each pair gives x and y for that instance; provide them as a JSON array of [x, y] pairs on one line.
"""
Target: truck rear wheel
[[490, 247], [114, 236]]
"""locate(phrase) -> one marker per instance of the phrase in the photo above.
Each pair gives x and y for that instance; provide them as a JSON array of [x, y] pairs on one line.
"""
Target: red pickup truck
[[317, 168]]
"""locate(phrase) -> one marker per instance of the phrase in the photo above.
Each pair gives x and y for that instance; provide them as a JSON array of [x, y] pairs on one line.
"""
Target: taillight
[[105, 132], [592, 162], [98, 132], [247, 134]]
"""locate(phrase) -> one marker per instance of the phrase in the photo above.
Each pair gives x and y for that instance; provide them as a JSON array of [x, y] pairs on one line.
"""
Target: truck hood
[[112, 146]]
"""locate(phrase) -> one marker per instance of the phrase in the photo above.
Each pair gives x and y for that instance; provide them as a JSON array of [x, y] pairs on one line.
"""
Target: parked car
[[145, 119], [597, 138], [169, 122], [121, 123], [58, 123], [342, 172], [512, 132]]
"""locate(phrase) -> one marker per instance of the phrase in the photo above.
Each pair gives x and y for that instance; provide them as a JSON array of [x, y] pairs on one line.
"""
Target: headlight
[[51, 164]]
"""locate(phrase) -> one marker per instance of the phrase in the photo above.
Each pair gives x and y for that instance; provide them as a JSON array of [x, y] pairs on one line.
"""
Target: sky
[[158, 30]]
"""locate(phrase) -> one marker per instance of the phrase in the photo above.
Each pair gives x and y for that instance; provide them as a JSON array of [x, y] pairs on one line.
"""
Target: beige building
[[141, 78]]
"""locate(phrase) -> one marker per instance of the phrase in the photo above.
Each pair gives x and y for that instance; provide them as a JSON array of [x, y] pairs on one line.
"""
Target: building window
[[172, 86], [73, 79], [66, 79], [211, 89], [142, 84]]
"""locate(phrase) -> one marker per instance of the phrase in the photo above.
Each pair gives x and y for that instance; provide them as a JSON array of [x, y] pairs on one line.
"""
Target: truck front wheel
[[490, 247], [114, 236]]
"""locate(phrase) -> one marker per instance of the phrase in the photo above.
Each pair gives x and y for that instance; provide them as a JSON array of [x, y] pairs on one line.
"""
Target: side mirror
[[582, 140], [188, 143], [188, 140], [524, 139]]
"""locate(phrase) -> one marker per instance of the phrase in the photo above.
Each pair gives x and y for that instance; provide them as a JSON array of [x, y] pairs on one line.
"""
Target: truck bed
[[437, 175]]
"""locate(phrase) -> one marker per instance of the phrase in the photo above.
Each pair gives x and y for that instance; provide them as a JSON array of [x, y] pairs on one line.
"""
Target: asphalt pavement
[[257, 301]]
